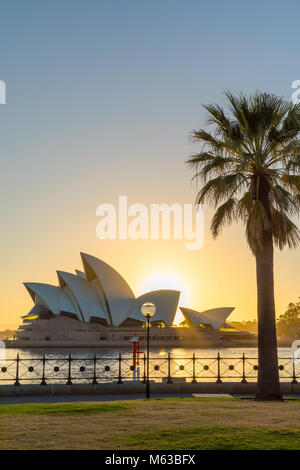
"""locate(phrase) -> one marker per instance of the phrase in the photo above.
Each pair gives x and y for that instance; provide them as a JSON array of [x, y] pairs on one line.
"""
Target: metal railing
[[95, 369]]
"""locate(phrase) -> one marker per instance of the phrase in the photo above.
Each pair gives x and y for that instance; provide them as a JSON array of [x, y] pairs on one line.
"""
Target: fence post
[[169, 379], [219, 381], [43, 382], [95, 376], [17, 383], [294, 381], [120, 369], [144, 378], [244, 381], [69, 382], [194, 381]]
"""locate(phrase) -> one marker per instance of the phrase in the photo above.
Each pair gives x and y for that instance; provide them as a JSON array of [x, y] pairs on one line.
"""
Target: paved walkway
[[102, 398], [81, 398]]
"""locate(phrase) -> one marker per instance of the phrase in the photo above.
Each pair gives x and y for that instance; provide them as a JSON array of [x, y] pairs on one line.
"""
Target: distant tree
[[7, 334], [288, 324], [245, 325], [249, 169]]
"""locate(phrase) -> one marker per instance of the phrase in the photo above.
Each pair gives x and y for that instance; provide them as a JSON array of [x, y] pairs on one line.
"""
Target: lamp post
[[148, 310]]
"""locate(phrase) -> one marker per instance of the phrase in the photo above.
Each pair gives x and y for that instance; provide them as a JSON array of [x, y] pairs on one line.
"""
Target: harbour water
[[62, 353]]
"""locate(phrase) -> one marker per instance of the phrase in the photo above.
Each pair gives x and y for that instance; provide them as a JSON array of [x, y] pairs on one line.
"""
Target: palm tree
[[249, 167]]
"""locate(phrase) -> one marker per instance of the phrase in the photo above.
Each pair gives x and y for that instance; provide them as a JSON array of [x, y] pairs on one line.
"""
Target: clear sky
[[101, 99]]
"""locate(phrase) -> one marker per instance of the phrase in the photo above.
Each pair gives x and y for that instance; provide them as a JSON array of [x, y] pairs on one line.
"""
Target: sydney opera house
[[97, 307]]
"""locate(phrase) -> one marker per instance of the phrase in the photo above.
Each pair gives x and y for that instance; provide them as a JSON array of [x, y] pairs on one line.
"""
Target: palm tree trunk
[[268, 387]]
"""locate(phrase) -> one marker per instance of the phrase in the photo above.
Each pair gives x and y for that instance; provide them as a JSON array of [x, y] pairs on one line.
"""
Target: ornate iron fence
[[70, 370]]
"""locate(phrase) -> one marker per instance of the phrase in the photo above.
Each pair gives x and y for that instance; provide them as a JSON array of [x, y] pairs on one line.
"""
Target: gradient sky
[[101, 99]]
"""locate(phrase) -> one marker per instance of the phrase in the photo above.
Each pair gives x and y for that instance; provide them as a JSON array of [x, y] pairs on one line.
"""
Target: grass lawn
[[171, 423]]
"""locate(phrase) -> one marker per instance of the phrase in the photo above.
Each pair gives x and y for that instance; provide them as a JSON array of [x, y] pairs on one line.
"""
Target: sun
[[167, 280]]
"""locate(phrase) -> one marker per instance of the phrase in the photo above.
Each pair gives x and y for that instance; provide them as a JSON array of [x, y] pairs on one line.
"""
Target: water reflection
[[108, 365]]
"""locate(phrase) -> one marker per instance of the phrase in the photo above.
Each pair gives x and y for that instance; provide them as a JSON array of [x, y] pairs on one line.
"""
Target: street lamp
[[148, 310]]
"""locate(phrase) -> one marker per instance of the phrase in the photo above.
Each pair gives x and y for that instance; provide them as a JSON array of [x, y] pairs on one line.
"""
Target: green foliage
[[7, 334], [216, 438], [288, 324], [249, 166]]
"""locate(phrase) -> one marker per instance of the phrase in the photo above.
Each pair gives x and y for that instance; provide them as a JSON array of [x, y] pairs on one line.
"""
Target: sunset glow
[[118, 122], [165, 279]]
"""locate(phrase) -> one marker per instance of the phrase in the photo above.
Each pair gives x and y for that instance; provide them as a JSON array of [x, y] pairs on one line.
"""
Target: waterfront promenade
[[127, 389]]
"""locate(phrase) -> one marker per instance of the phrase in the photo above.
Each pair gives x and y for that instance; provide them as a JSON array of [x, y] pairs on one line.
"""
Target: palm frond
[[200, 158], [217, 189], [249, 166], [225, 214], [283, 200], [285, 232], [291, 181]]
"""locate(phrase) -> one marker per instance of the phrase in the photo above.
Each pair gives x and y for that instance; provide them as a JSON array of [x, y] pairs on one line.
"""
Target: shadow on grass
[[63, 408], [114, 406]]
